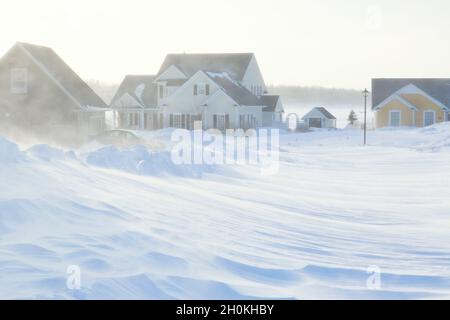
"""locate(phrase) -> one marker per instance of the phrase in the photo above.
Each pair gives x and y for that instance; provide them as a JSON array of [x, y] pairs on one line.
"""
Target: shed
[[319, 118]]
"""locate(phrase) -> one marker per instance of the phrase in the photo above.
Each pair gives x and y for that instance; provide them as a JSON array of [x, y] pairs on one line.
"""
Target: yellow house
[[410, 102]]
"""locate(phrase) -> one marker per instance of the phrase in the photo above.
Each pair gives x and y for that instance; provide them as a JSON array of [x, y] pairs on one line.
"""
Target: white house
[[135, 103], [221, 90], [273, 112], [319, 118]]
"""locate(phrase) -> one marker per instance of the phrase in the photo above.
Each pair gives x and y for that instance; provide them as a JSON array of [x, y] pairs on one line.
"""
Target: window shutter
[[188, 122], [227, 121], [207, 89], [171, 121], [195, 89], [215, 121]]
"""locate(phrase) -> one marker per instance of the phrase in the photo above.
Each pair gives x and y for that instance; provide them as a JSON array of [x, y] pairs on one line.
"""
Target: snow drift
[[139, 227]]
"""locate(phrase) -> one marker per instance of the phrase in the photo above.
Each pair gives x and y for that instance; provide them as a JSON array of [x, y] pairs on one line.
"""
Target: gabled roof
[[235, 64], [270, 102], [323, 111], [438, 89], [237, 92], [140, 87], [63, 76]]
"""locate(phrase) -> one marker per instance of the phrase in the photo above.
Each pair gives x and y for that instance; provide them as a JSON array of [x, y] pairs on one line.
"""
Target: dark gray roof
[[237, 92], [439, 89], [129, 85], [64, 75], [235, 64], [270, 102]]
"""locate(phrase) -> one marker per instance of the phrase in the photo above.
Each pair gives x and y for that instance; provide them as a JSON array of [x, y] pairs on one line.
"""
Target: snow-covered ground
[[138, 226]]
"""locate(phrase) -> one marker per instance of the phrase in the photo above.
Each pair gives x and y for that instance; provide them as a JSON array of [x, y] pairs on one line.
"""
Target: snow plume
[[139, 91], [337, 220], [140, 160]]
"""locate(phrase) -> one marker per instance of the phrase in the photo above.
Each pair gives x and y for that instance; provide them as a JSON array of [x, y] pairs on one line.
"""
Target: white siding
[[253, 76], [172, 73]]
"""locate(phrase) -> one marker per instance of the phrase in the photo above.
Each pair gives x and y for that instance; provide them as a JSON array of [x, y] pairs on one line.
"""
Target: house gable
[[437, 89], [253, 76], [412, 97], [126, 101], [172, 72], [220, 95], [62, 75], [319, 113], [141, 88], [55, 102], [184, 100]]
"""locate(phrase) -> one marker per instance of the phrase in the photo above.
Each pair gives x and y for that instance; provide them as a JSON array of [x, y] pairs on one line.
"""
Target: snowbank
[[9, 152], [311, 231], [140, 160]]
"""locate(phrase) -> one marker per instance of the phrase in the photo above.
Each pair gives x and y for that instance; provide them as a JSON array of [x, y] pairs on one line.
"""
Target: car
[[120, 138]]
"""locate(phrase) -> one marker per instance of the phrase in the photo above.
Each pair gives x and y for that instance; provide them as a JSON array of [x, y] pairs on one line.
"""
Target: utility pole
[[366, 94]]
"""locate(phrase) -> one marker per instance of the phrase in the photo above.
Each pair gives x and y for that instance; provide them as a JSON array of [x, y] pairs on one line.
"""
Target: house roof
[[323, 111], [438, 89], [175, 82], [270, 102], [234, 90], [235, 64], [140, 87], [63, 75]]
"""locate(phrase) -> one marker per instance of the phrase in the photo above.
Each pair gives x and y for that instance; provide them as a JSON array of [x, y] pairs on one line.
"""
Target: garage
[[319, 118]]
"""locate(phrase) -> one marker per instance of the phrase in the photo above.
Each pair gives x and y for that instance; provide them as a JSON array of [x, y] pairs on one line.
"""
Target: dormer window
[[19, 80]]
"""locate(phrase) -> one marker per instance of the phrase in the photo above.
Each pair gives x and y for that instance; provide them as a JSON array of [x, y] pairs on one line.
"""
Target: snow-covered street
[[158, 231]]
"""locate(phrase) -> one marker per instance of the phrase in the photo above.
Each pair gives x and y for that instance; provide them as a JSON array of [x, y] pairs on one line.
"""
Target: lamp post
[[366, 94]]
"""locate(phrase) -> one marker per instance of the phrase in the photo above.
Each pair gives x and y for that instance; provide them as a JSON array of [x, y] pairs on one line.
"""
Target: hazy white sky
[[306, 42]]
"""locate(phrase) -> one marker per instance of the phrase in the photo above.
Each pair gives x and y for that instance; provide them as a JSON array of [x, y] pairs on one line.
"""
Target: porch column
[[141, 122]]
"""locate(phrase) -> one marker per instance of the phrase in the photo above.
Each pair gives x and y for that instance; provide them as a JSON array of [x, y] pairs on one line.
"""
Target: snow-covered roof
[[62, 75], [236, 91], [140, 87], [235, 64]]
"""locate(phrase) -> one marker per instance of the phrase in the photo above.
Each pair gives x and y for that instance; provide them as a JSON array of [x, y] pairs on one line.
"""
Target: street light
[[366, 94]]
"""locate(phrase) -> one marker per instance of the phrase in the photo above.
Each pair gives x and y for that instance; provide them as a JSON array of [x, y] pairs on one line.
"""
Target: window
[[201, 89], [177, 120], [221, 121], [161, 91], [429, 118], [19, 80], [395, 118]]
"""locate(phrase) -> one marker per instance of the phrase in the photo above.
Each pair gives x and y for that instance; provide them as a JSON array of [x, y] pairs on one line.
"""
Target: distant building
[[221, 90], [319, 118], [136, 103], [41, 95], [410, 102]]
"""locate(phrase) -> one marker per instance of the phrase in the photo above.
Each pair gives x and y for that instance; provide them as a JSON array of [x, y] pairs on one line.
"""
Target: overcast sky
[[299, 42]]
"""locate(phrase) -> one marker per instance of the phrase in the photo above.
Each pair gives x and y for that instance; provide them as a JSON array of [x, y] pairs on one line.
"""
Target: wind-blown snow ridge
[[311, 231]]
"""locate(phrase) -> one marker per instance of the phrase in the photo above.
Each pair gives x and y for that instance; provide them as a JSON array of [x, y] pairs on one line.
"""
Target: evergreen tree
[[352, 117]]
